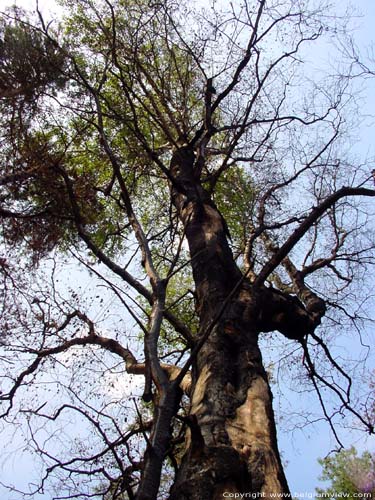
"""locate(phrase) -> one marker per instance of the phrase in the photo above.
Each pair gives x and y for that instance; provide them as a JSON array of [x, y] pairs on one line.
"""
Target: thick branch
[[310, 220], [171, 372]]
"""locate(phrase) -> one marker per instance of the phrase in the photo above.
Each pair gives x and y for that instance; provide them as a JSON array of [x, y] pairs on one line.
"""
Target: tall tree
[[190, 162]]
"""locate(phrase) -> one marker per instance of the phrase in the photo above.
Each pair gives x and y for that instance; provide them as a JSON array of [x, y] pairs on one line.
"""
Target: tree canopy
[[348, 473], [192, 162]]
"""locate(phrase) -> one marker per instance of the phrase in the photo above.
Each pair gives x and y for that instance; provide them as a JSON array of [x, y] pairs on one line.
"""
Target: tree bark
[[231, 444], [158, 445]]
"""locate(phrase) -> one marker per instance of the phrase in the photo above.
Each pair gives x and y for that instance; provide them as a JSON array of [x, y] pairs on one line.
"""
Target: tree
[[185, 159], [348, 473]]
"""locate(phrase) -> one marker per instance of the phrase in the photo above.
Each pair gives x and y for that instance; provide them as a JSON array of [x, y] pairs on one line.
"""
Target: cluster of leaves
[[348, 473], [29, 62]]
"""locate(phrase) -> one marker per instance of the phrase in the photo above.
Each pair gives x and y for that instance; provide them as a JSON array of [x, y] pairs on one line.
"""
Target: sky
[[301, 449]]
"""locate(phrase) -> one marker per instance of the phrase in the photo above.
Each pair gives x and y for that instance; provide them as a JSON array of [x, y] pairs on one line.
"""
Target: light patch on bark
[[187, 212], [251, 434], [173, 372], [213, 224], [196, 400], [199, 390], [244, 295]]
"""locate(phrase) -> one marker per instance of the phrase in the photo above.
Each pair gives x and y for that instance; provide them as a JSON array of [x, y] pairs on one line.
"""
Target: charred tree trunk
[[232, 445]]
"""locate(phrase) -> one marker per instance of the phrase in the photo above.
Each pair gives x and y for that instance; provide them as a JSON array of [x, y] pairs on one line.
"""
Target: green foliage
[[165, 102], [114, 100], [28, 61], [348, 473], [235, 196]]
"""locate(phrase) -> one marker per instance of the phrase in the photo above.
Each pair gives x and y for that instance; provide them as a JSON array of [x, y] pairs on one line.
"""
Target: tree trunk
[[231, 445]]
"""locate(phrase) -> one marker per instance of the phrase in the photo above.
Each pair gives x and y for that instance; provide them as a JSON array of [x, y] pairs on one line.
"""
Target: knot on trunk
[[285, 313]]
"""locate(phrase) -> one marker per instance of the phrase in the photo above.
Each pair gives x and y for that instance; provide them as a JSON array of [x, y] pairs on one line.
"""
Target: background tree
[[348, 473], [202, 177]]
